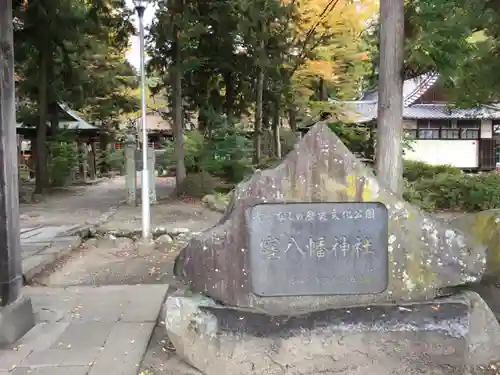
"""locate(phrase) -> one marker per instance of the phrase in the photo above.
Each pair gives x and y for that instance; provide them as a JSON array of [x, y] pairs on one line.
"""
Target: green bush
[[197, 185], [416, 170], [225, 154], [63, 158], [114, 159], [455, 192]]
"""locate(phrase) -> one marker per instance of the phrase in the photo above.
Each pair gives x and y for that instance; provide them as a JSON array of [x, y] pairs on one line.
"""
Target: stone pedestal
[[152, 175], [446, 337], [130, 170], [16, 313]]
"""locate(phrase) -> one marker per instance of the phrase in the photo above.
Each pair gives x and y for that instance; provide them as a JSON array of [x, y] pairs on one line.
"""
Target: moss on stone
[[484, 228]]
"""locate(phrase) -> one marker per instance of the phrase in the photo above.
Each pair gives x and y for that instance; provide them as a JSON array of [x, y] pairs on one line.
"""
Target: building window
[[426, 131], [496, 128], [469, 129], [448, 129]]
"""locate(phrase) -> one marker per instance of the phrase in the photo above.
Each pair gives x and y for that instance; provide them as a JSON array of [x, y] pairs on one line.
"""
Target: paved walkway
[[53, 228], [83, 204], [86, 331], [85, 326]]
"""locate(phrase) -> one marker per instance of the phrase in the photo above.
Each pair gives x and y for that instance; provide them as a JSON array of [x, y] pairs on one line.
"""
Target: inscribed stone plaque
[[299, 249]]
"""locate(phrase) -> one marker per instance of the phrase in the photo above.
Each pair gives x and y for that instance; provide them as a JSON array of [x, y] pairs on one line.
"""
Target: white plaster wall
[[486, 129], [458, 153]]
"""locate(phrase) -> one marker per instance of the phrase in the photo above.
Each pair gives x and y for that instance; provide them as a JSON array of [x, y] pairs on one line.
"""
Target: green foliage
[[226, 154], [416, 170], [114, 159], [63, 158], [197, 185], [462, 46], [356, 138], [445, 188], [72, 51]]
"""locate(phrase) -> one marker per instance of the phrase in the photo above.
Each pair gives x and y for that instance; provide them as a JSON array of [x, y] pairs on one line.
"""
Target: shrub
[[416, 170], [225, 154], [197, 185], [455, 191], [114, 159], [63, 158]]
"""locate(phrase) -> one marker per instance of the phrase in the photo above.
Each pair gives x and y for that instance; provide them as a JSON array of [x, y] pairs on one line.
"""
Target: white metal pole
[[146, 204]]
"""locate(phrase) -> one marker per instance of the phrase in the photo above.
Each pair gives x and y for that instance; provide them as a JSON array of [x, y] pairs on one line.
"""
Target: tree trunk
[[390, 104], [180, 167], [41, 174], [323, 94], [276, 130], [257, 136], [292, 119], [229, 97]]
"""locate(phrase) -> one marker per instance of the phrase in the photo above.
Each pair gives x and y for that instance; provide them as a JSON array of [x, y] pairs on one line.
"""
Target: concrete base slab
[[447, 337], [86, 331], [16, 320]]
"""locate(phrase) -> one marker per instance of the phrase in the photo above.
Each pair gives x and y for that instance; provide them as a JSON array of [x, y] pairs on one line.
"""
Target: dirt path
[[81, 204], [111, 260]]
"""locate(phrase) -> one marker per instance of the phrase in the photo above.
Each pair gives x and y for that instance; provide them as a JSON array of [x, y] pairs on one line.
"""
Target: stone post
[[92, 160], [16, 311], [152, 174], [84, 156], [130, 170]]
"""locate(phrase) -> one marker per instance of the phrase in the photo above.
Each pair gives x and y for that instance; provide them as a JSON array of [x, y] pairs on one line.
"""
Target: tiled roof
[[79, 123], [442, 111], [365, 110], [412, 88], [359, 111]]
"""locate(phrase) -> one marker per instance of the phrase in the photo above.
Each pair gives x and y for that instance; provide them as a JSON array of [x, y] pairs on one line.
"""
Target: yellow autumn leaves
[[333, 27]]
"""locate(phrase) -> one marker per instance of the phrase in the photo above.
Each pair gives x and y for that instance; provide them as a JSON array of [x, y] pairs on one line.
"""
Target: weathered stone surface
[[213, 203], [484, 226], [164, 239], [426, 255], [451, 336]]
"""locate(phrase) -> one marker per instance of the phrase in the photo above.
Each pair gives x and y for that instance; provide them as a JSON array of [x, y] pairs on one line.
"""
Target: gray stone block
[[124, 349], [62, 357], [15, 320], [84, 335], [448, 336]]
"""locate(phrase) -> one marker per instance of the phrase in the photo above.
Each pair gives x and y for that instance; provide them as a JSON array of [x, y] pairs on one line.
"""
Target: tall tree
[[389, 156], [58, 47], [176, 79]]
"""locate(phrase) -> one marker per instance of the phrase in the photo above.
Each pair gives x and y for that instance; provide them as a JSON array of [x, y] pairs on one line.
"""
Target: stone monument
[[316, 267]]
